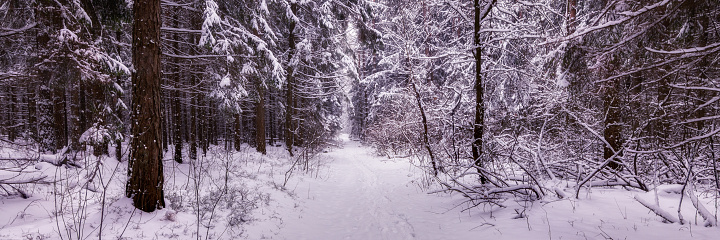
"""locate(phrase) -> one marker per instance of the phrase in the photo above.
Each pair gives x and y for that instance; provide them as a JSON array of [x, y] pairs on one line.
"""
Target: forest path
[[360, 196], [357, 195]]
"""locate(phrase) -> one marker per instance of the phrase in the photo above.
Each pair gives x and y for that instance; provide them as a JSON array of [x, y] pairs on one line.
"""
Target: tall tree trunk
[[479, 124], [74, 112], [32, 109], [85, 113], [46, 129], [613, 124], [299, 124], [661, 123], [121, 125], [11, 128], [236, 126], [194, 130], [59, 122], [702, 41], [177, 127], [426, 139], [571, 16], [260, 118], [145, 185], [271, 118], [207, 129], [247, 125], [48, 22], [290, 88], [166, 122], [174, 66], [184, 116]]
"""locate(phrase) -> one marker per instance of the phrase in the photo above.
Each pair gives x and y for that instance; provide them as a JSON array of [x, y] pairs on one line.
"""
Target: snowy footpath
[[357, 195]]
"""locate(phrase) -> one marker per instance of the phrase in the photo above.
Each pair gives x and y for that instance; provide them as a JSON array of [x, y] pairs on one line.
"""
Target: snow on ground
[[235, 189], [348, 194], [360, 196]]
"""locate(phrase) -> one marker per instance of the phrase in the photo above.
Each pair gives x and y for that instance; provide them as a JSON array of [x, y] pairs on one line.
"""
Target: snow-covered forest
[[359, 119]]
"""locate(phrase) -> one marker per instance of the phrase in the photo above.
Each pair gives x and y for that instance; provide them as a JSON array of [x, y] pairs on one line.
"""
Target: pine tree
[[145, 185]]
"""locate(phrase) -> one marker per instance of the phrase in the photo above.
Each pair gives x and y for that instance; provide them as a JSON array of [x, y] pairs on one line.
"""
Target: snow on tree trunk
[[145, 185]]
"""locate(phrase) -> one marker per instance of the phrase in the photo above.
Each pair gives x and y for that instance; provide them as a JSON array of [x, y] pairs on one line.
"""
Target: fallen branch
[[615, 182], [597, 170], [560, 193], [469, 191], [515, 189], [657, 210], [710, 219], [35, 179]]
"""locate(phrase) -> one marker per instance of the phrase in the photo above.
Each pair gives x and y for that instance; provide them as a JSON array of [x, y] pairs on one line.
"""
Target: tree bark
[[236, 126], [426, 139], [260, 119], [290, 86], [121, 130], [703, 23], [479, 125], [177, 127], [207, 127], [48, 22], [196, 130], [174, 65], [613, 124], [59, 123], [193, 120], [73, 115], [32, 110], [571, 16], [271, 119], [145, 185], [10, 125]]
